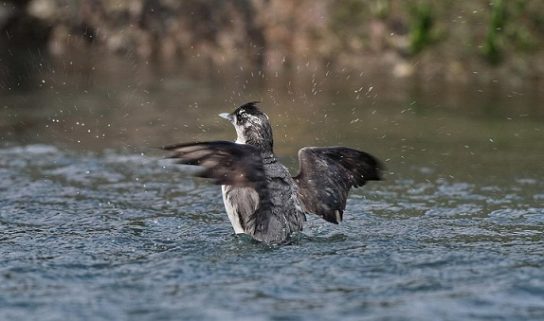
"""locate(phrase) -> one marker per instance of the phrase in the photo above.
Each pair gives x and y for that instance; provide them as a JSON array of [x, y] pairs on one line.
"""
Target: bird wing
[[228, 163], [326, 175]]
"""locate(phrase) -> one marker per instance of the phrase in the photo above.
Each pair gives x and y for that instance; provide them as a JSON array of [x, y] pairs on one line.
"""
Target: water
[[95, 226]]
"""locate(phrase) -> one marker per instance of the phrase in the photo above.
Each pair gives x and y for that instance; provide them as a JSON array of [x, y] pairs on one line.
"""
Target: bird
[[261, 197]]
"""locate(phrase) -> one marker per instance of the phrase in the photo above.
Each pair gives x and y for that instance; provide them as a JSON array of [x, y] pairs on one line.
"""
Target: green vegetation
[[494, 39], [421, 24], [514, 26]]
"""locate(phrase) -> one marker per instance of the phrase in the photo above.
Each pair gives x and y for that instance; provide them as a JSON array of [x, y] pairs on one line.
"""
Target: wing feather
[[237, 165], [225, 162], [327, 174]]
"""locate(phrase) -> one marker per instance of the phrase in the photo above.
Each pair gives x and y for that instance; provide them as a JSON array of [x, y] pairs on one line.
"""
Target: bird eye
[[242, 114]]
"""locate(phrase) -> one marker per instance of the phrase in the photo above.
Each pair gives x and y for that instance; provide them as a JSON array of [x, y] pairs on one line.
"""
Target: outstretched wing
[[326, 175], [228, 163], [225, 162]]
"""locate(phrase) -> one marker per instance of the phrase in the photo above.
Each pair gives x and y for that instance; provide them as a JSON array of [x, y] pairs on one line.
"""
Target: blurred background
[[396, 76], [445, 40], [448, 94], [484, 53]]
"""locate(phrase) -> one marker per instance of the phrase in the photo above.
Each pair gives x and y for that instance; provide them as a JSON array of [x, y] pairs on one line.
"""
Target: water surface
[[94, 226]]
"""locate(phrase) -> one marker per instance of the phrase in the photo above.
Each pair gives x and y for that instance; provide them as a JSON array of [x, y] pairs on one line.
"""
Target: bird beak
[[226, 116]]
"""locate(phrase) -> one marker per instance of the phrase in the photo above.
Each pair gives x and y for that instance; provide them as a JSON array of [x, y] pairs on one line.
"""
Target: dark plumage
[[261, 198]]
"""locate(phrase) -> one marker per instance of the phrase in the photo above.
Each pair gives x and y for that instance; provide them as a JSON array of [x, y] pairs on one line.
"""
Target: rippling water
[[116, 236], [94, 226]]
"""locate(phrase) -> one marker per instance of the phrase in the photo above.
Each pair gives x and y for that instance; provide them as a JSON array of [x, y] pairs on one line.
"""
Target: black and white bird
[[261, 198]]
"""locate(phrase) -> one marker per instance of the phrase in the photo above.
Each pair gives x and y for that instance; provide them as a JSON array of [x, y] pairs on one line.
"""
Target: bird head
[[252, 126]]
